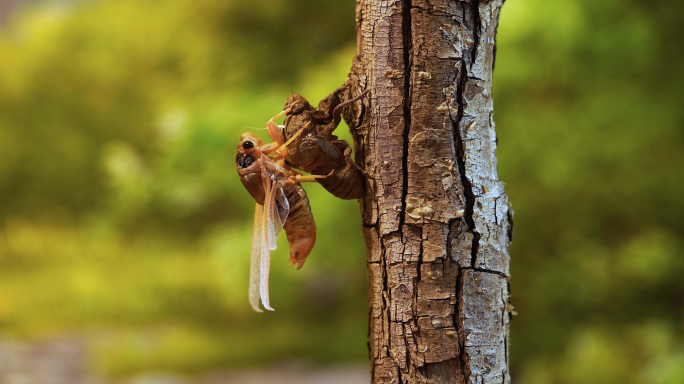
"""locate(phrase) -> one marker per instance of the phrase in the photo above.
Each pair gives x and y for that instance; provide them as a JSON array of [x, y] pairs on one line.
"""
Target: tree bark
[[437, 222]]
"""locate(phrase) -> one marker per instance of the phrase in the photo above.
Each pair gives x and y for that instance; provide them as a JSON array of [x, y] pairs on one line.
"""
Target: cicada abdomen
[[300, 227]]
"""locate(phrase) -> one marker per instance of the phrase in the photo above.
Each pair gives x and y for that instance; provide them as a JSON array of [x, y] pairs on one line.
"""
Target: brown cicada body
[[281, 203], [317, 151]]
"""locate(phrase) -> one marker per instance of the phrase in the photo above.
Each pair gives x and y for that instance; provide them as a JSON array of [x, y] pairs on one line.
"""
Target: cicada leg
[[338, 108], [274, 130], [278, 146], [296, 135], [311, 178], [347, 157], [281, 150]]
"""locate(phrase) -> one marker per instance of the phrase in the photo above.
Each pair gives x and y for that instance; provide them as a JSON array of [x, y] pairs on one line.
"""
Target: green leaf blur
[[123, 222]]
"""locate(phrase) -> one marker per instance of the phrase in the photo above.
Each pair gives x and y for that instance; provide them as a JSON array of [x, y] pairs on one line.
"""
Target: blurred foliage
[[122, 220], [588, 109]]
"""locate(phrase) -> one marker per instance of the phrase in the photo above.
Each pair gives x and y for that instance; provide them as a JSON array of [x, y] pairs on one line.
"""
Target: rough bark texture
[[437, 222]]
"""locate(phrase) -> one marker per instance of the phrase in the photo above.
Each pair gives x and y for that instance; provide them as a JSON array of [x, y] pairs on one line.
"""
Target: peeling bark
[[437, 222]]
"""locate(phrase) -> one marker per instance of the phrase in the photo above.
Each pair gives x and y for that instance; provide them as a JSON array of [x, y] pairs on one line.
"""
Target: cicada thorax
[[317, 151]]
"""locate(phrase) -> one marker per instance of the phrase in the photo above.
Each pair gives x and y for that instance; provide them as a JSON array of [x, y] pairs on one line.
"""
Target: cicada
[[318, 151], [281, 203]]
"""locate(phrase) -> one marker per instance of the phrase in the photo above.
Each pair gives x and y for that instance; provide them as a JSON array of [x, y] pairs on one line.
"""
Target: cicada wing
[[273, 214], [277, 213], [265, 258], [272, 226], [283, 206], [258, 246], [276, 210]]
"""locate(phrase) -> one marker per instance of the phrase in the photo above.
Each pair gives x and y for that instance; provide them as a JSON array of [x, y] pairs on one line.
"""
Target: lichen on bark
[[437, 222]]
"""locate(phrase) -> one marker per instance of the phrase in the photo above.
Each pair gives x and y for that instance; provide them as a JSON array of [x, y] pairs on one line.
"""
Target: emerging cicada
[[281, 203], [318, 151]]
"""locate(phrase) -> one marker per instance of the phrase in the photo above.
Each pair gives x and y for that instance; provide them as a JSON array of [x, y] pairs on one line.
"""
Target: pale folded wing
[[275, 208], [258, 246]]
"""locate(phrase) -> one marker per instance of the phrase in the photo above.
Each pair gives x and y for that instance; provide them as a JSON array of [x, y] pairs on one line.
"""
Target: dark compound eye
[[247, 144], [244, 160]]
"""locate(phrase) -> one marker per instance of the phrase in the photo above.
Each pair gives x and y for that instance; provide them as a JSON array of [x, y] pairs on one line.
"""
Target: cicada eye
[[247, 144], [244, 160]]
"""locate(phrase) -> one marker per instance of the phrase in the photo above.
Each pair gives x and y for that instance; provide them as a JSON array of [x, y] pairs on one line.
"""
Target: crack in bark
[[407, 45], [476, 30], [460, 159], [462, 356], [460, 150]]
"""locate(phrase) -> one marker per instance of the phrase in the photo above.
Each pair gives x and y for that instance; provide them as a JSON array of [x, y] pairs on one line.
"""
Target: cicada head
[[248, 162], [248, 151], [249, 145]]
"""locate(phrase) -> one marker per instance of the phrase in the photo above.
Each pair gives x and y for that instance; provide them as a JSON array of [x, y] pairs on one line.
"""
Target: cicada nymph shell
[[318, 151]]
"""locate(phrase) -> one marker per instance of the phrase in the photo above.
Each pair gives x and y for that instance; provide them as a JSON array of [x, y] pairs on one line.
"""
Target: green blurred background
[[123, 223]]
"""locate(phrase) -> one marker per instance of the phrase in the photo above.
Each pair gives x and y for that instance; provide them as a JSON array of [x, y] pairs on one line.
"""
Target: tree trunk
[[437, 222]]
